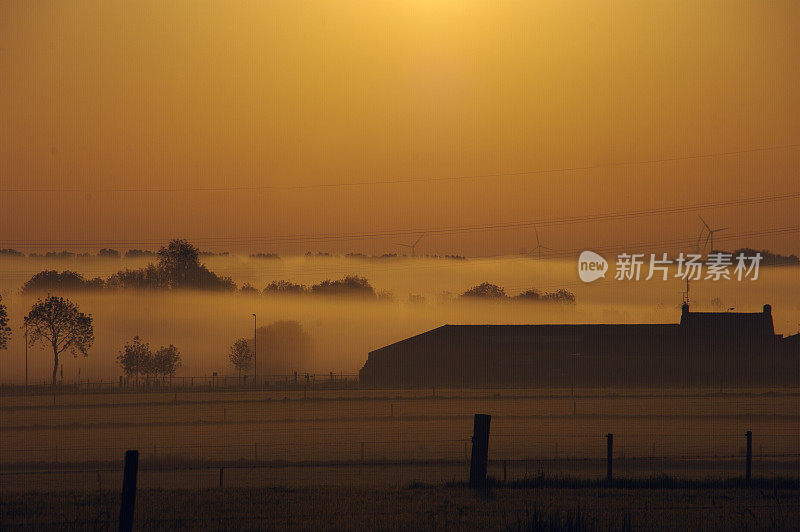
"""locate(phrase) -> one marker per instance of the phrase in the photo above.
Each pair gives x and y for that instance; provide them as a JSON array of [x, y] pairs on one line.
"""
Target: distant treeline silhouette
[[493, 291], [109, 253], [348, 286], [178, 267]]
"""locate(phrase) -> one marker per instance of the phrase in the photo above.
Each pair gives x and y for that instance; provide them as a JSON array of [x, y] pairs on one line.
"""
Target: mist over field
[[203, 325]]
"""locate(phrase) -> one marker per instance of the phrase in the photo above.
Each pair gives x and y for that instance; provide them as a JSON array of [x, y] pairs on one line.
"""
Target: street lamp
[[26, 353], [255, 359]]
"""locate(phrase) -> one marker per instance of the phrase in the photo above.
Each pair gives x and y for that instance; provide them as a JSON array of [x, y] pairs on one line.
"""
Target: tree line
[[137, 359], [493, 291]]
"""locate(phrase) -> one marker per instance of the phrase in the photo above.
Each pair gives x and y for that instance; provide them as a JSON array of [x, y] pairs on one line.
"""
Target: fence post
[[749, 458], [362, 452], [128, 491], [505, 471], [480, 450], [221, 469], [610, 448]]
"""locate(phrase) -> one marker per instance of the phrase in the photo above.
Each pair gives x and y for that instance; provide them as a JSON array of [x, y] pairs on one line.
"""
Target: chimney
[[768, 319]]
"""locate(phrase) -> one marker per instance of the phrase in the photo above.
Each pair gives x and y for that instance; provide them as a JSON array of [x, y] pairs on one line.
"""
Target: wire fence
[[259, 438], [511, 457], [338, 380]]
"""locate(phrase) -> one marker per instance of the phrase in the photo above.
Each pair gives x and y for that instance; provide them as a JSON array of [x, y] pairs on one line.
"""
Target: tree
[[485, 290], [50, 280], [178, 267], [283, 346], [240, 356], [351, 285], [530, 295], [135, 358], [165, 361], [179, 260], [560, 296], [284, 287], [5, 330], [59, 323]]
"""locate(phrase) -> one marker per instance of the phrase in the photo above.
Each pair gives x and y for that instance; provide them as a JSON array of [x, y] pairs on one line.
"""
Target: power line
[[372, 235], [377, 182]]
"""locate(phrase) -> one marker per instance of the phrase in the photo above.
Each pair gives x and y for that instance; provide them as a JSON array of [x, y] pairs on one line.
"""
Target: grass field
[[387, 438], [414, 508], [366, 459]]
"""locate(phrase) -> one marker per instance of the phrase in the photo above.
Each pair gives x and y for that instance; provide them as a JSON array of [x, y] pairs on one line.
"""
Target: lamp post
[[26, 353], [255, 359]]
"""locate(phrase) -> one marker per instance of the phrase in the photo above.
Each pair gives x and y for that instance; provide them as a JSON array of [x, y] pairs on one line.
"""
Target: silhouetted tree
[[179, 261], [8, 252], [165, 361], [147, 278], [351, 285], [59, 323], [136, 253], [530, 295], [385, 295], [108, 253], [559, 296], [485, 290], [241, 356], [5, 330], [283, 346], [284, 287], [247, 288], [52, 281], [178, 267], [135, 358]]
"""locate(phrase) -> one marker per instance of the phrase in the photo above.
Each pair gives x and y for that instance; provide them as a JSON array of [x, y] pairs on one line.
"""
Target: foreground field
[[387, 438], [413, 508]]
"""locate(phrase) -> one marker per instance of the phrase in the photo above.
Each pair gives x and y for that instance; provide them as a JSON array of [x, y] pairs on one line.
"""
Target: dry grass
[[419, 507]]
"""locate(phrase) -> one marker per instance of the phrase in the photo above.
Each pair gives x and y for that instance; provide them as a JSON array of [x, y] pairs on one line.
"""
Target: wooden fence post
[[609, 457], [749, 457], [128, 491], [480, 450]]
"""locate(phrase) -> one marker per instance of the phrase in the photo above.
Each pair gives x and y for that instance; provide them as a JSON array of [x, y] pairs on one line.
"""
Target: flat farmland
[[389, 437]]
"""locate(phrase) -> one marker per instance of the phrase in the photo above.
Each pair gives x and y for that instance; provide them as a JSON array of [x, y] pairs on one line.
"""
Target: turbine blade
[[704, 222]]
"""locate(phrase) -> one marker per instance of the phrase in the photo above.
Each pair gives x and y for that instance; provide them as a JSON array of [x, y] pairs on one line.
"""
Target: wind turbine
[[710, 236], [539, 247], [413, 246]]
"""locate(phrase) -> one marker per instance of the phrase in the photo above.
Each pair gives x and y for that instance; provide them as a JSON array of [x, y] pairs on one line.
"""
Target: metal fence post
[[749, 457], [480, 450], [128, 501], [610, 448]]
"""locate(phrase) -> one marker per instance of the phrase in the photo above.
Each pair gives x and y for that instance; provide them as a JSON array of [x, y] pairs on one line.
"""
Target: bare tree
[[57, 322], [241, 356]]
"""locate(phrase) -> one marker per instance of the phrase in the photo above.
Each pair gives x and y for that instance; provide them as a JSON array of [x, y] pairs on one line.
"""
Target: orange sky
[[105, 104]]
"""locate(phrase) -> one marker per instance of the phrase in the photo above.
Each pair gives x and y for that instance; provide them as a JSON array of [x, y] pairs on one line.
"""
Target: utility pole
[[255, 359]]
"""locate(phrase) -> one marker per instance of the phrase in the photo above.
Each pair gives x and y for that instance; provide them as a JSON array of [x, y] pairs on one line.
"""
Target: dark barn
[[704, 349]]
